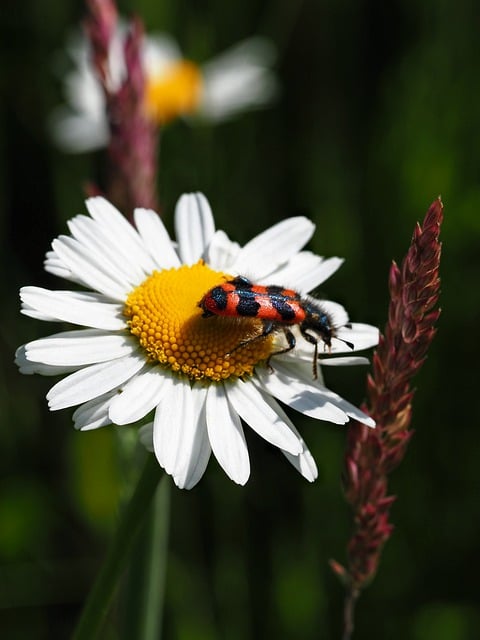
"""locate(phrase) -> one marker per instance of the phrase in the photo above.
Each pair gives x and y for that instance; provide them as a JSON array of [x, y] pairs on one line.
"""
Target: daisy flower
[[143, 345], [237, 80]]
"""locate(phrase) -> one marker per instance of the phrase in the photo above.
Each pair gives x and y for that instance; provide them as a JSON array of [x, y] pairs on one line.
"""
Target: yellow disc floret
[[163, 314], [174, 92]]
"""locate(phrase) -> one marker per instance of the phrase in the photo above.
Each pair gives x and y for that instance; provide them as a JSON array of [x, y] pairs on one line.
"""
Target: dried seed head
[[371, 455]]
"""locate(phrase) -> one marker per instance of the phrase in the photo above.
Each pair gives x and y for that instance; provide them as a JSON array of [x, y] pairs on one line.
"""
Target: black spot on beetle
[[219, 296], [247, 305]]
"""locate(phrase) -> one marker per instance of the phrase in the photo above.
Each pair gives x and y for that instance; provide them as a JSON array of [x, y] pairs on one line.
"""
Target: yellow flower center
[[163, 314], [174, 92]]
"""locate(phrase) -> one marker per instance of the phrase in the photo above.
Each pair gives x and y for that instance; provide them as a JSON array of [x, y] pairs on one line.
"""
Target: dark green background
[[379, 114]]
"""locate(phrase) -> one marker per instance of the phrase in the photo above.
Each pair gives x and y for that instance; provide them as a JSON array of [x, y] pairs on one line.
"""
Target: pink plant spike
[[372, 454], [133, 147]]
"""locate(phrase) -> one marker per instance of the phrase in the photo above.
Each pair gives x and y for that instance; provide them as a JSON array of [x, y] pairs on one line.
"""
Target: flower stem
[[158, 566], [351, 597], [142, 611], [107, 581]]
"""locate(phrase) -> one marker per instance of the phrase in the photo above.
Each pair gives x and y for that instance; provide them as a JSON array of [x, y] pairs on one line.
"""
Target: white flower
[[146, 347], [238, 80]]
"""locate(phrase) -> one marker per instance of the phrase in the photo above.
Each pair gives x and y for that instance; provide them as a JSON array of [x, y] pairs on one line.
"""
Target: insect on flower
[[277, 308]]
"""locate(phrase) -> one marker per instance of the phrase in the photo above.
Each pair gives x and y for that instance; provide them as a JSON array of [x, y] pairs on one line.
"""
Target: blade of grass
[[156, 569], [141, 605], [107, 582]]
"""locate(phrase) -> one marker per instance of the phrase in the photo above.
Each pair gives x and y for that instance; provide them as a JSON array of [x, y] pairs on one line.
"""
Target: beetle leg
[[290, 340], [291, 345], [313, 340], [268, 327]]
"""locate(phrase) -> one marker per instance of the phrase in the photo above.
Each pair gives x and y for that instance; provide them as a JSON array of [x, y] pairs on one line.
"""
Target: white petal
[[94, 413], [351, 410], [122, 233], [175, 415], [304, 462], [194, 226], [92, 382], [300, 396], [305, 271], [239, 79], [189, 478], [263, 415], [179, 432], [159, 53], [82, 87], [290, 385], [102, 246], [54, 265], [273, 247], [226, 94], [117, 70], [98, 275], [194, 452], [78, 132], [362, 336], [138, 397], [79, 348], [156, 238], [200, 456], [226, 435], [28, 368], [346, 361], [88, 309], [221, 251]]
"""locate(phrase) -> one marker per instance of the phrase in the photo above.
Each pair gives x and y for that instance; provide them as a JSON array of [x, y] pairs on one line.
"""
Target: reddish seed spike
[[372, 454]]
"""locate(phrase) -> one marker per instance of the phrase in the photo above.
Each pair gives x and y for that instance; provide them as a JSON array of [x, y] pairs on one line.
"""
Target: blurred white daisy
[[145, 347], [238, 80]]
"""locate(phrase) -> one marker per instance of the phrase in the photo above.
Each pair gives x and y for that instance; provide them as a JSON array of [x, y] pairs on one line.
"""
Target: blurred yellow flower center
[[164, 315], [174, 92]]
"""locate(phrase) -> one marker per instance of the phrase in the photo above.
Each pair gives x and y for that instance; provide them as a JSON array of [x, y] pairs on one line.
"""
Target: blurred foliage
[[378, 116]]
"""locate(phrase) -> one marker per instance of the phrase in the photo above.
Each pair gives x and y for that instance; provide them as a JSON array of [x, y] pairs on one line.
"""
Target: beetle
[[277, 308]]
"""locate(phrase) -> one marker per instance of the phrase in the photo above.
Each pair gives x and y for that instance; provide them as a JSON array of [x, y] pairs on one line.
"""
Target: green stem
[[141, 603], [351, 597], [157, 566], [100, 597]]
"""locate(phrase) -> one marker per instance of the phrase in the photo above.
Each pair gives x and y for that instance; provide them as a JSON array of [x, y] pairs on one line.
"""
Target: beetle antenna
[[350, 345]]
